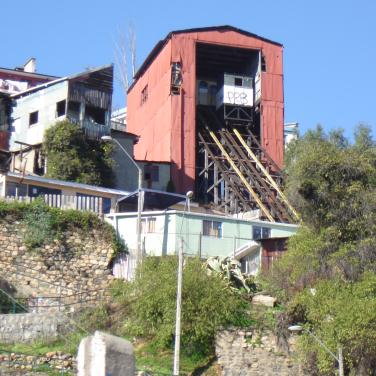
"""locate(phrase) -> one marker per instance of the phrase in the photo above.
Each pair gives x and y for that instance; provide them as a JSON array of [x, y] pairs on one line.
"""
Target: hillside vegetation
[[327, 279]]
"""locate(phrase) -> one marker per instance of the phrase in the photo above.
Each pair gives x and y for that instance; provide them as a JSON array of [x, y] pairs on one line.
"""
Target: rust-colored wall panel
[[4, 140], [167, 124], [152, 119]]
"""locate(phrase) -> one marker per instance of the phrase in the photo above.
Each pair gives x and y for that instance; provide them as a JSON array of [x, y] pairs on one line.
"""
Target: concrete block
[[105, 355]]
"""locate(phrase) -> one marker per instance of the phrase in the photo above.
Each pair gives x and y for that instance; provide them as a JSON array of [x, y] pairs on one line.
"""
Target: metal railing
[[82, 203]]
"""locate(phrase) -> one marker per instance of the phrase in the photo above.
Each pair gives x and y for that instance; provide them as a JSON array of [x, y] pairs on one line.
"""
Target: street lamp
[[188, 197], [139, 201], [338, 358]]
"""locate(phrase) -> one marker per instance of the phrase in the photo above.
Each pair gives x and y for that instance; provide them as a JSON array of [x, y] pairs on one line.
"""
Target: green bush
[[207, 304], [339, 313], [72, 156]]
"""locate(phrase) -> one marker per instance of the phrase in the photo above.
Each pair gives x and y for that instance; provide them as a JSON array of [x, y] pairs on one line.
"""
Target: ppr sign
[[236, 90]]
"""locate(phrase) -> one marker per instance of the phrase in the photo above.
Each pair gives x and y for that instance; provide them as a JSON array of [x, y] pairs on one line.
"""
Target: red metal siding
[[152, 119], [4, 139], [167, 124]]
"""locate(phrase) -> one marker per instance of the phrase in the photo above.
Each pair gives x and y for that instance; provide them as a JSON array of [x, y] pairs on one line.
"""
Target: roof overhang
[[152, 199]]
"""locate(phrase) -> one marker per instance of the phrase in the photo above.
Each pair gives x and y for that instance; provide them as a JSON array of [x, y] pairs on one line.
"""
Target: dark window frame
[[33, 118], [61, 108]]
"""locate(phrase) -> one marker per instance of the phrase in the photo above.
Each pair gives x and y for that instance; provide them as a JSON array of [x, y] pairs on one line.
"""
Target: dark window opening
[[151, 173], [35, 191], [263, 64], [39, 163], [33, 118], [60, 108], [238, 81], [176, 78], [144, 95], [96, 114], [15, 189], [74, 107]]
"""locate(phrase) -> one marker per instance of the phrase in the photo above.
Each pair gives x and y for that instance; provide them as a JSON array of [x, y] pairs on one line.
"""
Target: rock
[[264, 300]]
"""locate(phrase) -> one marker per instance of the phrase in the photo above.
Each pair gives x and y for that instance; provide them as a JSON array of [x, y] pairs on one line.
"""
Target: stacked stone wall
[[248, 353], [69, 271]]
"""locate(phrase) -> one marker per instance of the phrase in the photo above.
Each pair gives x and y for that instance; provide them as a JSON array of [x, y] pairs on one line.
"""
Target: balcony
[[92, 130]]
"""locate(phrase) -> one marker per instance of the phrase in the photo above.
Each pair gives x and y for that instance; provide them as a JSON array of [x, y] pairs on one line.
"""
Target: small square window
[[212, 228], [60, 108], [33, 118], [261, 232], [148, 225], [238, 81]]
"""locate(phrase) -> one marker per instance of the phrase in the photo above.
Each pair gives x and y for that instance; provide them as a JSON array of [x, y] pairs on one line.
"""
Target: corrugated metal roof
[[62, 183], [72, 77]]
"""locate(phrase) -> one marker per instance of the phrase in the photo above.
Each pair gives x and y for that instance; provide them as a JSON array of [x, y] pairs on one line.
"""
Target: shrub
[[207, 304], [72, 156]]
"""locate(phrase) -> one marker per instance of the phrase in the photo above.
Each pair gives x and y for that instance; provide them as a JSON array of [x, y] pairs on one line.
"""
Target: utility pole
[[341, 371], [178, 311]]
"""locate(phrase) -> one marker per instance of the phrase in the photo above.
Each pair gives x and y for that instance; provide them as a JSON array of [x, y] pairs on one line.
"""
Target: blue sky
[[329, 46]]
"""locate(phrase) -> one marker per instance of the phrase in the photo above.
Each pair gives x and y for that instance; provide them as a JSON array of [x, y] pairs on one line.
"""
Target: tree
[[332, 258], [73, 157], [125, 50]]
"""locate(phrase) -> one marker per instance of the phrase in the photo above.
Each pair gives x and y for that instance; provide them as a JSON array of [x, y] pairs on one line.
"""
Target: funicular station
[[210, 102]]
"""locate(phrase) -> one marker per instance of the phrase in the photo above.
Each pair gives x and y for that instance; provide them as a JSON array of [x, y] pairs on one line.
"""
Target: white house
[[253, 242]]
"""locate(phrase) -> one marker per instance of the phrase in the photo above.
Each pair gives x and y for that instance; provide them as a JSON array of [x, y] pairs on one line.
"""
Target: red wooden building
[[184, 75]]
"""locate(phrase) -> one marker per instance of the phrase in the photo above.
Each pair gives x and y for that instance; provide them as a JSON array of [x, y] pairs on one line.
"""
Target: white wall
[[44, 101], [162, 242], [171, 226]]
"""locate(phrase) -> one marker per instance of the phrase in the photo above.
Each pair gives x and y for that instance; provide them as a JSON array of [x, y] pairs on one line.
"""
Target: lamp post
[[139, 201], [338, 358], [188, 197]]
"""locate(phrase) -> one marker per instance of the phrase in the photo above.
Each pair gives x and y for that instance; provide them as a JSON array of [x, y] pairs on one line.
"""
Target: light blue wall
[[171, 226]]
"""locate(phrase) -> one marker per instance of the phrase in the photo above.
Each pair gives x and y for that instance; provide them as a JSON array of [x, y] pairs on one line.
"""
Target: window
[[33, 118], [15, 189], [60, 108], [74, 107], [238, 81], [96, 114], [176, 78], [263, 64], [212, 228], [151, 173], [144, 95], [148, 225], [260, 232]]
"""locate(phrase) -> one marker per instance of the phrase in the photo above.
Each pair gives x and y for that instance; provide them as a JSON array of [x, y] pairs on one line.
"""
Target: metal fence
[[82, 203]]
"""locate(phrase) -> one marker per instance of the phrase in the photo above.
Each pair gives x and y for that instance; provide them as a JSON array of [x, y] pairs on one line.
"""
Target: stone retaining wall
[[21, 364], [74, 268], [246, 353], [28, 327]]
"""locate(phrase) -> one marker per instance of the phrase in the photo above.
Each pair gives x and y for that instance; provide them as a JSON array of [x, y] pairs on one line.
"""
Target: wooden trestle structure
[[238, 175]]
